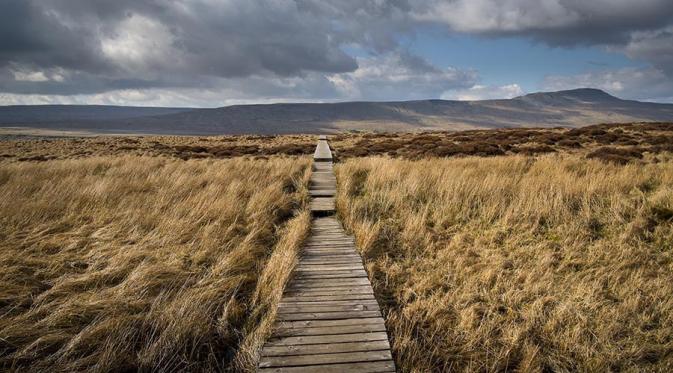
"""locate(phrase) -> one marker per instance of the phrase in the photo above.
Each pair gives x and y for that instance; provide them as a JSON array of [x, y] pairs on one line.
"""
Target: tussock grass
[[138, 263], [554, 263]]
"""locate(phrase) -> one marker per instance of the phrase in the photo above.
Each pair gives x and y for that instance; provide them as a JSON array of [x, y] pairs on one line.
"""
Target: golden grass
[[138, 263], [514, 263]]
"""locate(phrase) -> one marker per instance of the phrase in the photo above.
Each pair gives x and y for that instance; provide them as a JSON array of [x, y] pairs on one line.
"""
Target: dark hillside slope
[[574, 108]]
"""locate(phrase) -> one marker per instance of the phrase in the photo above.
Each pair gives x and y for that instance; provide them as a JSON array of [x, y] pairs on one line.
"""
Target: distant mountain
[[62, 113], [573, 108]]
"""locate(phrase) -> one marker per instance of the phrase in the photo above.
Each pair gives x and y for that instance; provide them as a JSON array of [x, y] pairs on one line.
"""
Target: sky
[[211, 53]]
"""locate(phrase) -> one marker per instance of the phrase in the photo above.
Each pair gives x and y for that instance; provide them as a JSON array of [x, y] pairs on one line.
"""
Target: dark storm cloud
[[556, 22], [198, 38]]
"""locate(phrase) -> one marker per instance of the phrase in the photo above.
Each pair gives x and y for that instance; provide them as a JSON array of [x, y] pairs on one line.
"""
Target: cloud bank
[[212, 53]]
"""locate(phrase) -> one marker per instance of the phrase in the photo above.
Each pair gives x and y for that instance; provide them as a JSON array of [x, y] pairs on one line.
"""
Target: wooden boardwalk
[[328, 319]]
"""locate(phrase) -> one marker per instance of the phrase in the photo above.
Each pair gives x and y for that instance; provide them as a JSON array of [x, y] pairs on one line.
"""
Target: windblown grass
[[138, 263], [555, 263]]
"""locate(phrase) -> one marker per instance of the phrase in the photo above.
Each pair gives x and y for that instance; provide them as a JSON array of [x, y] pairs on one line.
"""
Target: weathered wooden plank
[[322, 152], [317, 238], [344, 302], [328, 308], [343, 357], [314, 253], [329, 330], [345, 247], [368, 367], [333, 338], [322, 298], [354, 273], [306, 271], [330, 291], [331, 261], [330, 288], [329, 275], [316, 267], [327, 315], [326, 348], [323, 323], [308, 256], [325, 239], [322, 192], [331, 281], [327, 250]]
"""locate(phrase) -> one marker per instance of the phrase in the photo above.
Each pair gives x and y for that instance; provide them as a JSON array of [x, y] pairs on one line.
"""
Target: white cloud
[[497, 15], [647, 84], [400, 76], [655, 47], [31, 76], [140, 42], [37, 76], [483, 92]]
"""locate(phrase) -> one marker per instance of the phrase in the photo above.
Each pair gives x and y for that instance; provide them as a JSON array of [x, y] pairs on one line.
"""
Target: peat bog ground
[[496, 250]]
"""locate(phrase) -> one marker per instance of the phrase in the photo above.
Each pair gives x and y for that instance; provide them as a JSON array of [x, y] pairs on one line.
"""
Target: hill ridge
[[569, 108]]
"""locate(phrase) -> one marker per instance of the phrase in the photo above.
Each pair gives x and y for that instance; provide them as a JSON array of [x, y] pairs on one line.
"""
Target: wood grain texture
[[328, 319]]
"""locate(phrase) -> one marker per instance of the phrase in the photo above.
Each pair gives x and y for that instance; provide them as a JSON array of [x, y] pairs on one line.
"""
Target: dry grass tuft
[[137, 263], [555, 263]]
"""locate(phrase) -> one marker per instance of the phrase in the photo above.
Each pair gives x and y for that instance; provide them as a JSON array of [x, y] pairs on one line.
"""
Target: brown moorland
[[551, 263], [490, 250], [619, 142], [182, 147], [143, 263]]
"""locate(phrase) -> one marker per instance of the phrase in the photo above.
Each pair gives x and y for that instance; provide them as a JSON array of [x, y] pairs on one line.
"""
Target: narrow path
[[328, 319]]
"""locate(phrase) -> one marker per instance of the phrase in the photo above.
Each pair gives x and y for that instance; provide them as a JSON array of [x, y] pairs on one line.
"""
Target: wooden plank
[[330, 330], [322, 152], [326, 348], [328, 251], [371, 301], [332, 281], [323, 288], [327, 308], [350, 255], [323, 323], [343, 357], [322, 298], [327, 315], [322, 192], [331, 291], [308, 271], [316, 267], [328, 291], [317, 237], [331, 274], [321, 241], [315, 254], [368, 367], [315, 339], [332, 261]]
